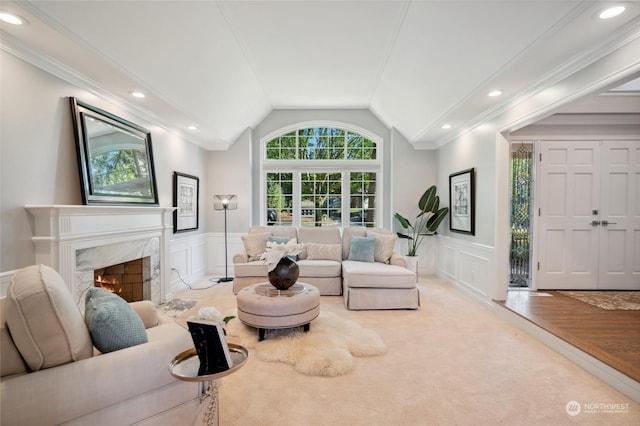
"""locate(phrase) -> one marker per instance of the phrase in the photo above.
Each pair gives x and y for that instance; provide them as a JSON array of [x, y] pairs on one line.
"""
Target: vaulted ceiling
[[223, 66]]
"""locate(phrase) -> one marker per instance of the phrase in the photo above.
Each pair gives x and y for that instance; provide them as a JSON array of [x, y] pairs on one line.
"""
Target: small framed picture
[[186, 193], [211, 346], [462, 200]]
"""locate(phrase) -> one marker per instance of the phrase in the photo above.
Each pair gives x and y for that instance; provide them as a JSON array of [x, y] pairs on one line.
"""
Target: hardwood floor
[[613, 337]]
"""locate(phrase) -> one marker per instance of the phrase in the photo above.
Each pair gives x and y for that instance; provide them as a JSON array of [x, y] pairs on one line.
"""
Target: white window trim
[[326, 166]]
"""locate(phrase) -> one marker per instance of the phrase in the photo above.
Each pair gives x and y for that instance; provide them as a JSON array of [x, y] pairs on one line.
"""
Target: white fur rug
[[327, 349]]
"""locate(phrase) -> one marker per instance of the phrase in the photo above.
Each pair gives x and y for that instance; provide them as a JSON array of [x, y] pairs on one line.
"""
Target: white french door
[[619, 231], [589, 215]]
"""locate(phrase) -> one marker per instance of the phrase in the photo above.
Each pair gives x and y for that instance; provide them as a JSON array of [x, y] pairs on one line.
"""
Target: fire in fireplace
[[129, 280]]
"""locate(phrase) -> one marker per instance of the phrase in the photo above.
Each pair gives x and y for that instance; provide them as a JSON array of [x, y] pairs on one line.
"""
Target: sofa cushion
[[113, 324], [376, 275], [319, 235], [257, 268], [317, 251], [385, 244], [319, 269], [255, 244], [362, 249], [10, 360], [45, 323]]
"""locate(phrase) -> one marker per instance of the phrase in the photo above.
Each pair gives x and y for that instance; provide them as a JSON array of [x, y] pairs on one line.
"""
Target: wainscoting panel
[[468, 265], [188, 259], [215, 244]]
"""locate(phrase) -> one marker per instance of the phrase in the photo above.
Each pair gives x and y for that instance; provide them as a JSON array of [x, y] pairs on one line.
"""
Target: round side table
[[185, 367]]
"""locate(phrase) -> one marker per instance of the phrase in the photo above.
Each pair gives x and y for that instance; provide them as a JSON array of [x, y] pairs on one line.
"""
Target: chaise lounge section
[[377, 284]]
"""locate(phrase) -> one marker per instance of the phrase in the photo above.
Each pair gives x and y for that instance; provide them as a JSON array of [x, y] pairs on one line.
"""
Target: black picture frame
[[115, 158], [186, 195], [462, 216]]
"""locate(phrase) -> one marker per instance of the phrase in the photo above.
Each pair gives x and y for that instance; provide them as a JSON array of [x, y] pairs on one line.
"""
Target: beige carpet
[[609, 300], [452, 362], [327, 349]]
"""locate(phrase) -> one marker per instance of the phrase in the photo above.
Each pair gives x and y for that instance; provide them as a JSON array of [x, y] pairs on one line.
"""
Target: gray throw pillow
[[279, 240], [362, 249], [112, 323]]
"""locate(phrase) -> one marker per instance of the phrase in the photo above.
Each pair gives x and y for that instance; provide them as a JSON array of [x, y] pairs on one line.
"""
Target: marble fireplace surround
[[75, 240]]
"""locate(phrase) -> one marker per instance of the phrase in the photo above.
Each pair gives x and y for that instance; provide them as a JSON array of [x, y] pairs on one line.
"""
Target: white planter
[[412, 264]]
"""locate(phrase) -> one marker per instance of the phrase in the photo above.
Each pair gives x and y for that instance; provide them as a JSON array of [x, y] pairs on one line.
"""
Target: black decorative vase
[[285, 274]]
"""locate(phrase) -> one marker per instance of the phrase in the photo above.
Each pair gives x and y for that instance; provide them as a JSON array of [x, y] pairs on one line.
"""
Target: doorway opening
[[522, 179]]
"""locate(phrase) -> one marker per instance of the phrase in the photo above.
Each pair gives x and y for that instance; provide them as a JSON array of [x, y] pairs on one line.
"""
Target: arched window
[[320, 176]]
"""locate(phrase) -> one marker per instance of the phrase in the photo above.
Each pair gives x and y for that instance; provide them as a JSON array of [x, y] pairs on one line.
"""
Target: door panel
[[568, 256], [619, 266]]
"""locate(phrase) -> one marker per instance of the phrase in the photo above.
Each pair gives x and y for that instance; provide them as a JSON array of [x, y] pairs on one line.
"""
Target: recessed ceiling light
[[11, 18], [137, 94], [611, 12], [192, 128], [446, 126], [495, 93]]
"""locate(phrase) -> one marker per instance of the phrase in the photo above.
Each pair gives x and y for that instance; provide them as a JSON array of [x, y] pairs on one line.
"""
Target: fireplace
[[79, 240], [130, 280]]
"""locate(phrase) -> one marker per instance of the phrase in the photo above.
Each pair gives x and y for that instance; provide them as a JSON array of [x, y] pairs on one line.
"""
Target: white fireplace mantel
[[60, 231]]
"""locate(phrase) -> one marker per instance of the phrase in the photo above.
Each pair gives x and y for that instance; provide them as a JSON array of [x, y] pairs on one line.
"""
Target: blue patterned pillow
[[112, 323], [362, 249]]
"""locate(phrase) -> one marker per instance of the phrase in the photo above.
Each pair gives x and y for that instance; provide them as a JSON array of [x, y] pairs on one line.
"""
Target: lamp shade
[[225, 202]]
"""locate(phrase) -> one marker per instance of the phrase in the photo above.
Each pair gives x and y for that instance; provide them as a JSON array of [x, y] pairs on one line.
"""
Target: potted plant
[[427, 222]]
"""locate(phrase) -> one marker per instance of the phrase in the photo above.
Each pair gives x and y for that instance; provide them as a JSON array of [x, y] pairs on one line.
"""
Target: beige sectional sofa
[[380, 282], [72, 383]]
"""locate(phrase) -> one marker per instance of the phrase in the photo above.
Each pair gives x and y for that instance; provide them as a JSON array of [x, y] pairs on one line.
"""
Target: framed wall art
[[462, 199], [186, 192]]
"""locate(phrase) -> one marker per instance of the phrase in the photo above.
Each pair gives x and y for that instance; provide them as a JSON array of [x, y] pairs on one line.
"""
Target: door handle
[[595, 222], [606, 222]]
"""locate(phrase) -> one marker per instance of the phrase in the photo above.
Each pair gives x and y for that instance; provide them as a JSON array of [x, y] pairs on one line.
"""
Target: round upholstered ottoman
[[264, 307]]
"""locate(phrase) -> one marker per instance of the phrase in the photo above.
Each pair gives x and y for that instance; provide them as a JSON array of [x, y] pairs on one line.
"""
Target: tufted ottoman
[[264, 307]]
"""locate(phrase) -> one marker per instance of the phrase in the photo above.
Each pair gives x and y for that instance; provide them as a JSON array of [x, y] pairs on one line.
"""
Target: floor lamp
[[225, 202]]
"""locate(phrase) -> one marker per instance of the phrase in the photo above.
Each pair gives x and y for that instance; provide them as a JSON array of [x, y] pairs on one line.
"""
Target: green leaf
[[435, 220], [426, 201], [403, 221]]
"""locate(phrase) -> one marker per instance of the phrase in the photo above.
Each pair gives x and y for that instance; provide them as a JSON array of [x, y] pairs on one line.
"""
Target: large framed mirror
[[115, 158]]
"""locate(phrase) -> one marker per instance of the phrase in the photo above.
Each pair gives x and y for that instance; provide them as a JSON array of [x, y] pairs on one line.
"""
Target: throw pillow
[[113, 324], [362, 249], [255, 245], [316, 251], [44, 320], [385, 244], [279, 240]]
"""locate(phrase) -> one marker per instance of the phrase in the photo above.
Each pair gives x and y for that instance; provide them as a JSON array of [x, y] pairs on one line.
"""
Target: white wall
[[38, 153], [407, 173], [479, 264]]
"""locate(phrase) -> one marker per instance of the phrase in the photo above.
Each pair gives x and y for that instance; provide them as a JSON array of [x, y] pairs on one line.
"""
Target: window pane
[[362, 206], [321, 199], [279, 198]]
